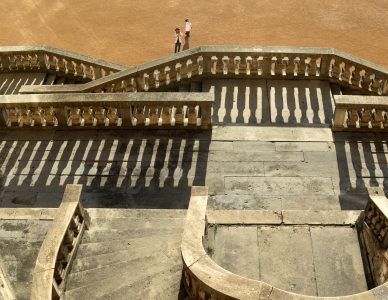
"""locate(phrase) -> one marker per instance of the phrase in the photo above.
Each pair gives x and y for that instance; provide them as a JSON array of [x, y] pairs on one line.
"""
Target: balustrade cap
[[348, 101], [61, 52]]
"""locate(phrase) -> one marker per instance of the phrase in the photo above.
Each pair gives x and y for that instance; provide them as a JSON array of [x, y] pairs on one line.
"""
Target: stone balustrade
[[239, 62], [59, 247], [204, 279], [360, 113], [373, 228], [130, 110], [45, 59]]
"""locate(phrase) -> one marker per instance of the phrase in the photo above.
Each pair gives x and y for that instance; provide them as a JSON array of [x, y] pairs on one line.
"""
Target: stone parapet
[[59, 246], [360, 113], [130, 110], [44, 58], [239, 62]]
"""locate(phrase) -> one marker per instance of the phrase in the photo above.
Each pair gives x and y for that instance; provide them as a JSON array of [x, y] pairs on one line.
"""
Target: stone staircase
[[129, 254]]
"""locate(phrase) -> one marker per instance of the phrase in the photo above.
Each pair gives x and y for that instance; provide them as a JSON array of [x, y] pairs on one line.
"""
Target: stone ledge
[[28, 213]]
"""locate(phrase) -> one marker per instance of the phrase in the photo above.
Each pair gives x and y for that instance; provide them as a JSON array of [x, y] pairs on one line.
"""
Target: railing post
[[339, 118]]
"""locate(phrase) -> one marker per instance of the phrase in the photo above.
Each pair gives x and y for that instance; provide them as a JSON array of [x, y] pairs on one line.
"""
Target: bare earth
[[131, 32]]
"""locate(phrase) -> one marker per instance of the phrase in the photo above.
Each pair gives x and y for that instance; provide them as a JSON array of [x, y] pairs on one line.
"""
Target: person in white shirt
[[178, 39], [188, 27]]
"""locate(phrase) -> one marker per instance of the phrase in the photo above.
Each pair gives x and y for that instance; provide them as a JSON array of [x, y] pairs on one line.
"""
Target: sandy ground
[[131, 32]]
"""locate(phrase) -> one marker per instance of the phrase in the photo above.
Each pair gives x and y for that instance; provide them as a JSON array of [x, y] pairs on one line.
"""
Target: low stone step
[[111, 213], [98, 282], [125, 223], [97, 261], [98, 248], [104, 235], [161, 285]]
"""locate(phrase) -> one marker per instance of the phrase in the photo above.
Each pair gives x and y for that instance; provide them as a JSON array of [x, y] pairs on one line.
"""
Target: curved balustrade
[[42, 58], [240, 62], [59, 247], [144, 110], [204, 279], [363, 113]]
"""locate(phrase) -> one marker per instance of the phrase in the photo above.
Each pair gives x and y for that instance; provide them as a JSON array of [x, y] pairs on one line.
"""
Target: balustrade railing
[[374, 234], [42, 58], [241, 62], [360, 113], [130, 110], [59, 247]]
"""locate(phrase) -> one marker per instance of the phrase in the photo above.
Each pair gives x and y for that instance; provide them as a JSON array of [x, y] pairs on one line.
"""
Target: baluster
[[26, 62], [25, 117], [156, 78], [377, 118], [341, 71], [49, 117], [74, 68], [1, 64], [225, 64], [351, 74], [112, 117], [166, 115], [34, 61], [248, 61], [139, 115], [88, 117], [179, 115], [296, 66], [285, 61], [100, 116], [11, 62], [372, 78], [102, 72], [56, 63], [19, 61], [380, 87], [123, 86], [74, 117], [237, 61], [260, 65], [191, 115], [366, 117], [362, 78], [134, 85], [214, 60], [12, 117], [274, 60], [307, 64], [145, 81], [167, 74], [189, 67], [178, 68], [200, 65], [92, 72], [353, 117], [318, 63], [331, 67], [153, 114], [38, 117]]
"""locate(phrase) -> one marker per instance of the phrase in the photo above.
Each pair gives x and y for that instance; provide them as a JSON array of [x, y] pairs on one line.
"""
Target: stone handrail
[[363, 113], [129, 110], [374, 234], [238, 62], [59, 247], [6, 290], [204, 279], [43, 58]]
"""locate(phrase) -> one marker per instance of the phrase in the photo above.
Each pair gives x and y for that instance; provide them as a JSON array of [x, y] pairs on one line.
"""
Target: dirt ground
[[131, 32]]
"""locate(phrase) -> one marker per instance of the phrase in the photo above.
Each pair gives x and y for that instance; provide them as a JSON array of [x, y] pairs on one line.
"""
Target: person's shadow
[[186, 45]]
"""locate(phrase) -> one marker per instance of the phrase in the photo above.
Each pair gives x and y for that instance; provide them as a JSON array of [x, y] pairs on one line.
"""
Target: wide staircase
[[129, 254]]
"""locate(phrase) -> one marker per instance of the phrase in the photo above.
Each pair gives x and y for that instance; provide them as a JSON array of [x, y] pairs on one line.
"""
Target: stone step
[[97, 261], [98, 282], [93, 236], [125, 223], [161, 285], [111, 213], [98, 248]]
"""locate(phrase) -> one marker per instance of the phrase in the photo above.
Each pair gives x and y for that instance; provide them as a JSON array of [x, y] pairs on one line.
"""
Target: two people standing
[[178, 36]]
